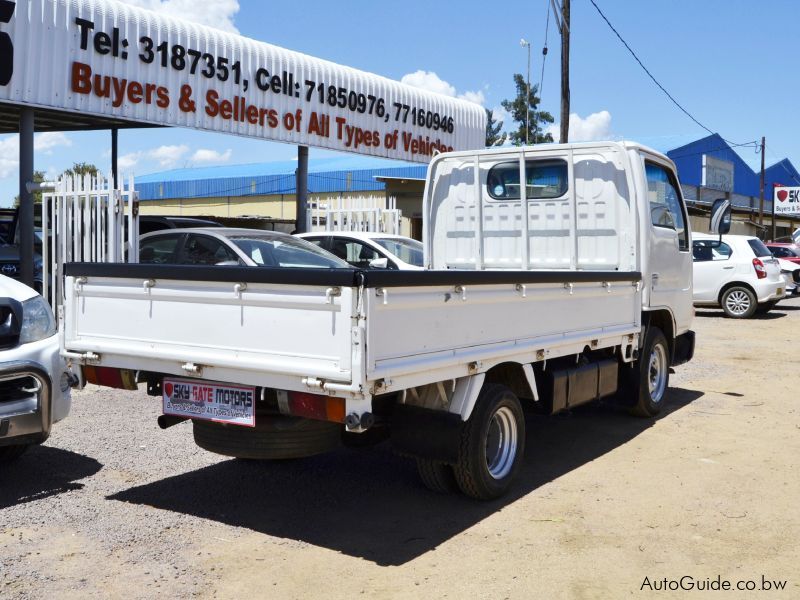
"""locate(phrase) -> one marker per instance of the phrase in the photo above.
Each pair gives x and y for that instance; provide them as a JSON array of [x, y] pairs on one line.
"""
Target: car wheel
[[649, 378], [274, 437], [492, 444], [739, 302]]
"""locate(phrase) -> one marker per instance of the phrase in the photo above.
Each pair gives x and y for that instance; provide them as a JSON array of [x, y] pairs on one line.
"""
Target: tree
[[518, 109], [79, 169], [493, 127]]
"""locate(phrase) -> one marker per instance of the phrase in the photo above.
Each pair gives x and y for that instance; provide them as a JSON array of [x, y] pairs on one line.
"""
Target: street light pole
[[524, 43]]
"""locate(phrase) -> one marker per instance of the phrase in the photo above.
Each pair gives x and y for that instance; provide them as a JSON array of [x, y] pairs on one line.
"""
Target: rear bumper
[[34, 393], [771, 291], [684, 348]]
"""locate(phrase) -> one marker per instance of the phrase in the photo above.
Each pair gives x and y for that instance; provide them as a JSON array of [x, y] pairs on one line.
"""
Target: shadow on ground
[[369, 503], [42, 472]]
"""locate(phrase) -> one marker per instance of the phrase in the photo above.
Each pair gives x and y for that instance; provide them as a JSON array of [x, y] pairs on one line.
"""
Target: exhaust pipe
[[166, 421]]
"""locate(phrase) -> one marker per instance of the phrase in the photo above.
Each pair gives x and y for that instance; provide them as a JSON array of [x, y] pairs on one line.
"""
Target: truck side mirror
[[720, 216]]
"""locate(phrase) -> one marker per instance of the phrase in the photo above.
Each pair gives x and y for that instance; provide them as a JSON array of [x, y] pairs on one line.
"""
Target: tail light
[[312, 406], [761, 270]]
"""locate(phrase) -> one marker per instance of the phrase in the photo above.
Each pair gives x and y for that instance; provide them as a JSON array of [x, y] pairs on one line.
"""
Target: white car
[[738, 274], [230, 246], [791, 274], [34, 381], [370, 250]]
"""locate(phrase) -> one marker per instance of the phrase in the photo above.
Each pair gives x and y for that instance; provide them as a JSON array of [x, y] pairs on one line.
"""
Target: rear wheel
[[739, 302], [9, 453], [437, 476], [650, 376], [273, 437], [492, 444]]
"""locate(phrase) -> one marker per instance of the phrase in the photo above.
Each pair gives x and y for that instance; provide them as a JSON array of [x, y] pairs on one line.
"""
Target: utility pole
[[761, 192], [564, 71], [523, 42]]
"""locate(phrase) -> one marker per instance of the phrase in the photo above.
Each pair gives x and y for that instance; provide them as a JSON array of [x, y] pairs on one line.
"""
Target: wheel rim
[[657, 373], [737, 302], [501, 443]]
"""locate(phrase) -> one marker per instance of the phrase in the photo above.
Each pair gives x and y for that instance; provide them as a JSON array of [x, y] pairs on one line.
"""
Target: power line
[[544, 50], [661, 87]]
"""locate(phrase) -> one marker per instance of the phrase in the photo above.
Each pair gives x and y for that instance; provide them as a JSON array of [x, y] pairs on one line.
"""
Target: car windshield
[[273, 251], [407, 250], [759, 249]]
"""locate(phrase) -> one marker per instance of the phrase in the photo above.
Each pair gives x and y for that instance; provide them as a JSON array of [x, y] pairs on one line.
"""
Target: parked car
[[738, 274], [149, 223], [791, 274], [786, 250], [233, 247], [370, 250], [34, 381], [10, 263]]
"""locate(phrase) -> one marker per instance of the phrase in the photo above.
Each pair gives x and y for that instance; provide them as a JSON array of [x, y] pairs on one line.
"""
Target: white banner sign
[[105, 58], [787, 201]]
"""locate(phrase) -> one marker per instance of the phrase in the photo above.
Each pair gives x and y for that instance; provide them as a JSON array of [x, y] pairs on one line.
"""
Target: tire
[[272, 438], [9, 453], [739, 302], [492, 444], [437, 476], [650, 377]]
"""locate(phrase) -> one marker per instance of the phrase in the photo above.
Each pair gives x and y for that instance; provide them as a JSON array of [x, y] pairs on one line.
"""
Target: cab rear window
[[759, 249]]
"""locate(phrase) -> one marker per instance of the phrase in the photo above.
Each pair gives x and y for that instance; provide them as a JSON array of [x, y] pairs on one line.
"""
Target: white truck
[[572, 287]]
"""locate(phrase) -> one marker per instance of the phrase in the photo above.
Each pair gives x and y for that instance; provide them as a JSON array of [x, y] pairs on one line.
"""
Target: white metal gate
[[86, 219], [354, 213]]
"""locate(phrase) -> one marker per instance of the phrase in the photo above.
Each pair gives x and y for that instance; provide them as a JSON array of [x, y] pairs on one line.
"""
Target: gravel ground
[[113, 507]]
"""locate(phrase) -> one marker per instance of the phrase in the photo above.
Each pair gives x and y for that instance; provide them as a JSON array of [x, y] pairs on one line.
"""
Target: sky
[[730, 63]]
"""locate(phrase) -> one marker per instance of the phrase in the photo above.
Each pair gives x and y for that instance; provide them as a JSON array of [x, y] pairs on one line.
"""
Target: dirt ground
[[607, 505]]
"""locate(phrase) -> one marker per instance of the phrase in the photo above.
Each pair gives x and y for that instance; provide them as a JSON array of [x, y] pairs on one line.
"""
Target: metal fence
[[86, 219]]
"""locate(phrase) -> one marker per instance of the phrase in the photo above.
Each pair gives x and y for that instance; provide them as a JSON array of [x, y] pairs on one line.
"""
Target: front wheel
[[739, 302], [651, 375], [492, 444]]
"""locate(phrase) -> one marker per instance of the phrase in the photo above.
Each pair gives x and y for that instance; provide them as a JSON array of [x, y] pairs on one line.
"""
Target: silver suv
[[34, 381]]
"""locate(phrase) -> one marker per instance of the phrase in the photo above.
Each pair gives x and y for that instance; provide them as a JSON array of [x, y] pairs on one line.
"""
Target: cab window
[[543, 179], [665, 204]]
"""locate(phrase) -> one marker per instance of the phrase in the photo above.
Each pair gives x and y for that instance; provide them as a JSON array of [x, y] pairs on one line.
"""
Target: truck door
[[670, 257]]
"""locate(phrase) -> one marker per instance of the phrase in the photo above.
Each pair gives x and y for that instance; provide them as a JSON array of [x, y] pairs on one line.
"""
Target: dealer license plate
[[210, 401]]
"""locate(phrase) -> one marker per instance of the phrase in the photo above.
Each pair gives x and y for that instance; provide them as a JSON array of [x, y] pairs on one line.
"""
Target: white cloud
[[205, 155], [45, 142], [9, 155], [168, 156], [476, 97], [214, 13], [127, 162], [430, 81], [597, 126], [501, 115]]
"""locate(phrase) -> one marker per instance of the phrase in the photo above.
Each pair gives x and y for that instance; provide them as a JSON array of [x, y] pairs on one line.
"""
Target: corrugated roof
[[326, 175]]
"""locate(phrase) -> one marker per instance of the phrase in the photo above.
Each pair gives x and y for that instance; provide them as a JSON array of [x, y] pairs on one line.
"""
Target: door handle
[[727, 267]]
